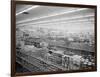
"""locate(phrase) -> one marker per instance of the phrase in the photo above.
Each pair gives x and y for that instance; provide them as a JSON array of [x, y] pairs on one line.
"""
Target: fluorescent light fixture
[[63, 19], [58, 20], [82, 21], [26, 10], [56, 14]]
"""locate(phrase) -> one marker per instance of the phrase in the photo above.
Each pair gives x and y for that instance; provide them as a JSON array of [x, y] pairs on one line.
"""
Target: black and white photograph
[[54, 38]]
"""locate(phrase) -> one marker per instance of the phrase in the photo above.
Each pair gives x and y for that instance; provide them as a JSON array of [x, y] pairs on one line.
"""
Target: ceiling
[[54, 17]]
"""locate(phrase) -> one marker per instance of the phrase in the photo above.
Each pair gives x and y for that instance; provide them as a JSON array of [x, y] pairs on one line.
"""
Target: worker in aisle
[[65, 61]]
